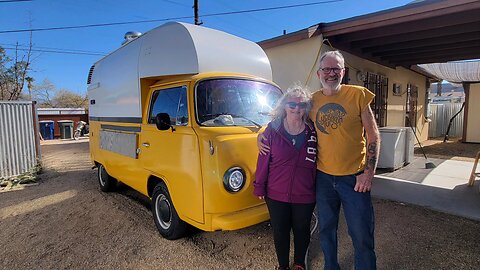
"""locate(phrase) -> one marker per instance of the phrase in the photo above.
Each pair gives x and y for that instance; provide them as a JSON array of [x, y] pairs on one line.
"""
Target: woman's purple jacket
[[286, 174]]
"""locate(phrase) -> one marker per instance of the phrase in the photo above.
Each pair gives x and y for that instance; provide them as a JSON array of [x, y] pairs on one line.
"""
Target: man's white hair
[[333, 54]]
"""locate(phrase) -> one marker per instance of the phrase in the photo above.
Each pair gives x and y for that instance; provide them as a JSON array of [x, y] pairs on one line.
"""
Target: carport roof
[[430, 31]]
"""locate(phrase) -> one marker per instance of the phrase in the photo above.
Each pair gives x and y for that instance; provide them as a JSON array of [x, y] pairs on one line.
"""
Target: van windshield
[[235, 102]]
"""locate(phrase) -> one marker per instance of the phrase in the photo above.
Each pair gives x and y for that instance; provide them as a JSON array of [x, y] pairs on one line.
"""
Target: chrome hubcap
[[163, 211]]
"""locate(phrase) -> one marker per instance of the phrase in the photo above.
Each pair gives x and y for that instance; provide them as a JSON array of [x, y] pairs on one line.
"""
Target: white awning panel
[[455, 72]]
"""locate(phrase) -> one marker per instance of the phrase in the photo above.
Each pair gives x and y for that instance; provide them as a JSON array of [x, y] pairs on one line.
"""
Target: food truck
[[175, 114]]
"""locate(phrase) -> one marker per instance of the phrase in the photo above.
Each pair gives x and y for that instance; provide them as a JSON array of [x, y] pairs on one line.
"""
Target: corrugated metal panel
[[441, 115], [18, 152], [119, 142]]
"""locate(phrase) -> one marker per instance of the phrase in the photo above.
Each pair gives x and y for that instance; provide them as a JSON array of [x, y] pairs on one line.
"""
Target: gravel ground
[[65, 222], [451, 149]]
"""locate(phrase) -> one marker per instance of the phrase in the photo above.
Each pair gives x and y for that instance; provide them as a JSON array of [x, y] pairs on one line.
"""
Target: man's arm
[[263, 148], [364, 181]]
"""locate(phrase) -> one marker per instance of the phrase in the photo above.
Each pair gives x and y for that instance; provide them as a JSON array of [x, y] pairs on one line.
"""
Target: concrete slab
[[443, 188]]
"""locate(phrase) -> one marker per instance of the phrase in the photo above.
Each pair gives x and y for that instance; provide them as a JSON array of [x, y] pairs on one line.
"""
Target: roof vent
[[90, 73], [129, 36]]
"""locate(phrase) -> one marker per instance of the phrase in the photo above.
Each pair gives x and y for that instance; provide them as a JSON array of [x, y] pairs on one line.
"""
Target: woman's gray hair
[[295, 91]]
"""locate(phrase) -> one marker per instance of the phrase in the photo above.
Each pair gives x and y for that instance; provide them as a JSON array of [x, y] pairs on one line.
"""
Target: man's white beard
[[330, 86]]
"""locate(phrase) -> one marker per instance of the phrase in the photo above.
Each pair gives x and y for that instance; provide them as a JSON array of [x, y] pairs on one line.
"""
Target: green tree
[[29, 86]]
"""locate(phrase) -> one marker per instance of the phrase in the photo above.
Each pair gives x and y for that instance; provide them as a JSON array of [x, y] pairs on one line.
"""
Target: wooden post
[[474, 173]]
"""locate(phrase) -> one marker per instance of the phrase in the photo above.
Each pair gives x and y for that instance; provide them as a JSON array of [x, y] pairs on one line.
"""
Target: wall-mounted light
[[397, 89], [361, 76]]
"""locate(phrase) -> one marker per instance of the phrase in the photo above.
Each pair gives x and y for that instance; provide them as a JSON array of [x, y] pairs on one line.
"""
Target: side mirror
[[162, 120]]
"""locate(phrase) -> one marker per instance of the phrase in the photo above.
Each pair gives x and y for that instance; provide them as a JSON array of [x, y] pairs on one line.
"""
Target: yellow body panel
[[127, 170], [184, 161]]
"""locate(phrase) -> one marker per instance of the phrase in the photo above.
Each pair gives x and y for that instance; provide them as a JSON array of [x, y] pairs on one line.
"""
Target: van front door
[[173, 155]]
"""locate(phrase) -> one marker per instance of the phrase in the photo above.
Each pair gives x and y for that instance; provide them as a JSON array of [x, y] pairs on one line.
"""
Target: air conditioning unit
[[396, 147]]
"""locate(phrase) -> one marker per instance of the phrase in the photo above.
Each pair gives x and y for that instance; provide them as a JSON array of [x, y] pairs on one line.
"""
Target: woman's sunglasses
[[292, 105]]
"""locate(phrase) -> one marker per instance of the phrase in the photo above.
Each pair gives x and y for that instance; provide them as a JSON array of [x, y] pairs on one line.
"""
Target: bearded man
[[346, 161]]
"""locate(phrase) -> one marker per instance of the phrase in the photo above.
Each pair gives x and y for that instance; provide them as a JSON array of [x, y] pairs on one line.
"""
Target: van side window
[[172, 101]]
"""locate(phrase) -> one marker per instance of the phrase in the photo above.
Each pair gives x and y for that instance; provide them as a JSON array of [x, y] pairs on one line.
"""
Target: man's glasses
[[293, 105], [327, 70]]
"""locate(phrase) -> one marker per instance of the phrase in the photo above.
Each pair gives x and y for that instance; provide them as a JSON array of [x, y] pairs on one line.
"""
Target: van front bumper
[[240, 219]]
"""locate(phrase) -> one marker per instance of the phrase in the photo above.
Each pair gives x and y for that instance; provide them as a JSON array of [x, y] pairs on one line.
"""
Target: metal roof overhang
[[424, 32]]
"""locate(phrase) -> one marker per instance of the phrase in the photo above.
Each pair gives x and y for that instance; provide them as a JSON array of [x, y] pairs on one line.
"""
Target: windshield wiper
[[249, 120]]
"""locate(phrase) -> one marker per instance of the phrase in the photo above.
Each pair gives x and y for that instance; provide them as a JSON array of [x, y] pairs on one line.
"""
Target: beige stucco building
[[471, 126], [382, 52], [297, 63]]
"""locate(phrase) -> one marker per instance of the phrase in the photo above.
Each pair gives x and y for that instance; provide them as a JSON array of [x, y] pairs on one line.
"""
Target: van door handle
[[146, 144]]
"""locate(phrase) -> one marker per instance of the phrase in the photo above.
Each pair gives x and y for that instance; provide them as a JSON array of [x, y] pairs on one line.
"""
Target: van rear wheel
[[76, 135], [107, 183], [166, 218]]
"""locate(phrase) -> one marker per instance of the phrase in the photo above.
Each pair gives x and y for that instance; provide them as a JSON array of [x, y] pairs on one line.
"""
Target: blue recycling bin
[[47, 128]]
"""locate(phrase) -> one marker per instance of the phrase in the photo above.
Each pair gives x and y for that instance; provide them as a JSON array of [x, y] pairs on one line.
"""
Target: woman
[[285, 176]]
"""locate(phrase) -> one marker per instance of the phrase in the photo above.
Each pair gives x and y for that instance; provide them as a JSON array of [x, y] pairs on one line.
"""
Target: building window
[[378, 84]]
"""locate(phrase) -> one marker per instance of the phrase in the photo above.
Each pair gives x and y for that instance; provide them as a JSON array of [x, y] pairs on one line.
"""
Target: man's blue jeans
[[332, 192]]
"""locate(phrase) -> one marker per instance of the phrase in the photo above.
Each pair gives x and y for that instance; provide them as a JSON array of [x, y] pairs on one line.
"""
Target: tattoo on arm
[[372, 153]]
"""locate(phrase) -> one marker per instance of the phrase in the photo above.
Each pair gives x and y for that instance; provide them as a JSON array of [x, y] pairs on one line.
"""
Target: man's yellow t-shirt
[[340, 132]]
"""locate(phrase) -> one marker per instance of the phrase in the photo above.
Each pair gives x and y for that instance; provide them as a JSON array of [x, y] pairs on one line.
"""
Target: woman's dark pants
[[290, 216]]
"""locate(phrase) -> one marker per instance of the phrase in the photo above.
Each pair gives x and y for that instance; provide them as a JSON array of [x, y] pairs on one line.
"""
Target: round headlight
[[234, 179]]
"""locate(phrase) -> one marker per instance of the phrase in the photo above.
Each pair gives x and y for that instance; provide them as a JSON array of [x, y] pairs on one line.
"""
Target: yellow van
[[174, 114]]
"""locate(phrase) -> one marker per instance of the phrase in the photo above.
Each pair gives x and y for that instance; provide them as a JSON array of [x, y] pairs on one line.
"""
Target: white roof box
[[170, 49], [180, 48]]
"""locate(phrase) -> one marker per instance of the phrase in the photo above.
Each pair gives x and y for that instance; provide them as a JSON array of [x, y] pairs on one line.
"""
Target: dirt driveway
[[65, 222]]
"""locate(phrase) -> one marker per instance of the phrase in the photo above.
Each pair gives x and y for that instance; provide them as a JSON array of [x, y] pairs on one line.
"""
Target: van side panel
[[116, 150], [174, 157]]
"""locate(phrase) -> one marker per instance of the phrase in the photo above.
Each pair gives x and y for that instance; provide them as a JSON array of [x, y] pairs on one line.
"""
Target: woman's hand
[[262, 147]]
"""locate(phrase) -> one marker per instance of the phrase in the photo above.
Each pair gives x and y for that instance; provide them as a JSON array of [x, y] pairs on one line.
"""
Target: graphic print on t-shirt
[[330, 116]]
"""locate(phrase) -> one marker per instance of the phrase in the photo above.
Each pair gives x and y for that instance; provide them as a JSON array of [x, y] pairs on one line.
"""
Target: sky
[[64, 56]]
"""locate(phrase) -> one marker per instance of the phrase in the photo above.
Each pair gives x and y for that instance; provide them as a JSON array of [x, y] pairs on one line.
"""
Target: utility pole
[[195, 11]]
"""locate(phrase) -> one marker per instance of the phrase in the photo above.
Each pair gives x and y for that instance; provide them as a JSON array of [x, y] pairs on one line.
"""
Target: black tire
[[76, 135], [166, 218], [106, 182]]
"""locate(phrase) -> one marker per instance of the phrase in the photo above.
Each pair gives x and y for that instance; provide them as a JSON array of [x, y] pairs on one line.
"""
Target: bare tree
[[48, 96], [68, 99], [12, 78], [4, 78], [44, 93]]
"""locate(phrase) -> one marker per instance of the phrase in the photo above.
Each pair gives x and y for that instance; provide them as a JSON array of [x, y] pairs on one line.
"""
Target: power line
[[251, 16], [53, 51], [51, 48], [13, 1], [167, 19], [176, 3]]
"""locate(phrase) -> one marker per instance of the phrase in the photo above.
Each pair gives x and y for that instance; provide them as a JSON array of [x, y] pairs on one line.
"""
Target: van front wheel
[[166, 218], [107, 183]]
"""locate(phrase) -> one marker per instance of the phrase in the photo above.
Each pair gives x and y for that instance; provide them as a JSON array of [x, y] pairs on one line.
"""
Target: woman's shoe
[[298, 267]]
